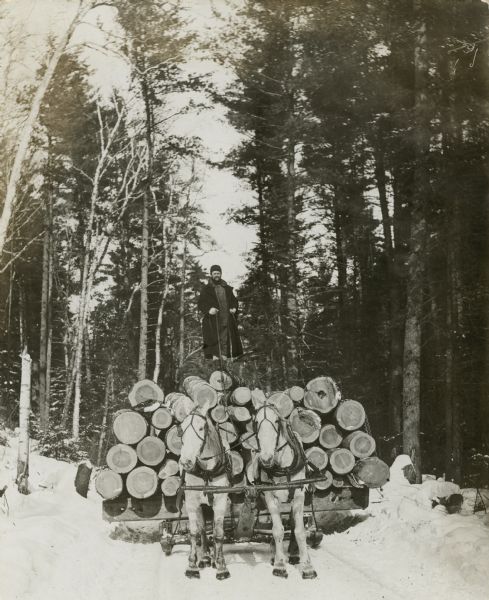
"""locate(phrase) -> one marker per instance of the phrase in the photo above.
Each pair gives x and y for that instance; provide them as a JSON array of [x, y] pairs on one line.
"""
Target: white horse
[[281, 459], [204, 459]]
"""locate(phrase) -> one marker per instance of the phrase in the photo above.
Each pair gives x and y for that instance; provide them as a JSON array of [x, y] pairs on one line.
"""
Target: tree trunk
[[28, 127], [143, 313], [44, 321], [25, 409], [109, 395], [181, 329], [415, 275]]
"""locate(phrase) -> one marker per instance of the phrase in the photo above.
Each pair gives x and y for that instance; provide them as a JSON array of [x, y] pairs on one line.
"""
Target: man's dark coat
[[210, 323]]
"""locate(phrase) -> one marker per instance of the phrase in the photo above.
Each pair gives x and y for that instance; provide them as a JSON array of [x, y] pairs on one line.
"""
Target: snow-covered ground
[[54, 545]]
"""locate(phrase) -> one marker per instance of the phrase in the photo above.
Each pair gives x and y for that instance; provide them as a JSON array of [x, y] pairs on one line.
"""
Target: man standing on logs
[[219, 306]]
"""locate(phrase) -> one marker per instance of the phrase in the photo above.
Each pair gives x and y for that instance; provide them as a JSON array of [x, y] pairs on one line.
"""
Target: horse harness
[[222, 466], [299, 461]]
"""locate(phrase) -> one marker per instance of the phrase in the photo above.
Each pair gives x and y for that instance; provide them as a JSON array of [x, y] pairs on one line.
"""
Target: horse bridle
[[277, 430], [203, 439]]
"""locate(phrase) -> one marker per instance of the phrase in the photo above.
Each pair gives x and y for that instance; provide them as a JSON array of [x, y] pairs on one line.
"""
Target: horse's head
[[268, 427], [194, 431]]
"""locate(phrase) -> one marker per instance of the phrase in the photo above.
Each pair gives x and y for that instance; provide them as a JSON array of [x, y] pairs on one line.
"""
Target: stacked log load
[[143, 461]]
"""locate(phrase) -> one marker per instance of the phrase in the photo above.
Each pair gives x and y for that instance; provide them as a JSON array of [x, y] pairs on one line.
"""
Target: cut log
[[170, 485], [372, 471], [181, 406], [82, 479], [327, 483], [201, 392], [109, 484], [330, 436], [146, 392], [129, 426], [142, 482], [317, 457], [250, 476], [282, 402], [248, 441], [241, 396], [151, 451], [359, 443], [306, 423], [219, 414], [173, 440], [338, 481], [350, 415], [237, 463], [341, 460], [239, 481], [322, 395], [239, 414], [162, 418], [121, 458], [168, 469], [220, 380], [296, 394], [228, 432]]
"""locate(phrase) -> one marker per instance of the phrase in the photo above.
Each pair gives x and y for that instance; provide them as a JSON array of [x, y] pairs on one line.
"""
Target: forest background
[[360, 140]]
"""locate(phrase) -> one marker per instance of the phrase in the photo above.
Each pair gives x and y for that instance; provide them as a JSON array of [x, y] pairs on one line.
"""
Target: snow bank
[[56, 546]]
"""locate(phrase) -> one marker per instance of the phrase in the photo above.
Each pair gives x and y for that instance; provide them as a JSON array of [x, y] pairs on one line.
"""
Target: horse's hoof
[[192, 573], [280, 572], [272, 561], [213, 564], [314, 538], [309, 574], [225, 574], [294, 560]]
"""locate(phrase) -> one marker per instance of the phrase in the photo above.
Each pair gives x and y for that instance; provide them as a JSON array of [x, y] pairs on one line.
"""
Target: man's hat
[[215, 268]]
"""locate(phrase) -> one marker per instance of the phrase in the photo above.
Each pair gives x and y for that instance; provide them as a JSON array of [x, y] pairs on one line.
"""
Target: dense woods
[[365, 140]]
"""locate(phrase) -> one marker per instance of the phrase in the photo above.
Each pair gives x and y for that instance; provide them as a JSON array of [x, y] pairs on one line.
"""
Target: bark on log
[[306, 423], [282, 402], [350, 415], [162, 418], [372, 471], [330, 437], [241, 396], [121, 458], [168, 469], [317, 457], [151, 450], [82, 479], [170, 485], [359, 443], [142, 482], [109, 484], [341, 461], [322, 395], [129, 426], [173, 441], [220, 381]]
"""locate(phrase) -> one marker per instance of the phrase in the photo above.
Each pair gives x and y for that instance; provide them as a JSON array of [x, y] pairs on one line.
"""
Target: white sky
[[220, 190]]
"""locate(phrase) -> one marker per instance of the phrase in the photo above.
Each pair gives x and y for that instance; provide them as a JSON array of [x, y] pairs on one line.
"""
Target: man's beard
[[216, 278]]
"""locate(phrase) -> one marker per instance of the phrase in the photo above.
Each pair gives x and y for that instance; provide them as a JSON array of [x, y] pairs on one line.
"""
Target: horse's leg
[[273, 505], [220, 505], [293, 547], [192, 503], [300, 534], [204, 558]]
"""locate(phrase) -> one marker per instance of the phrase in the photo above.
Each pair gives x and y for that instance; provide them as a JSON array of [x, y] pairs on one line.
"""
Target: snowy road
[[56, 546]]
